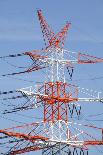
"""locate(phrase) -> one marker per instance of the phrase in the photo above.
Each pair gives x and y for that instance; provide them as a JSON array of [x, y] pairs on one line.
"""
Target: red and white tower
[[54, 135]]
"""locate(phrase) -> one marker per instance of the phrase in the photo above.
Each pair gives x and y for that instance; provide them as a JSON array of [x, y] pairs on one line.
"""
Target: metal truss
[[55, 135]]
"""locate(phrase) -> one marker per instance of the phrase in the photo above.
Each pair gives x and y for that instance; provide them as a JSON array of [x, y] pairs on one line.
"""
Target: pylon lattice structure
[[55, 135]]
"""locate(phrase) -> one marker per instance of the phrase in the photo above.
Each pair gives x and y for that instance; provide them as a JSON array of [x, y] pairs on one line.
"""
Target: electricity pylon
[[56, 134]]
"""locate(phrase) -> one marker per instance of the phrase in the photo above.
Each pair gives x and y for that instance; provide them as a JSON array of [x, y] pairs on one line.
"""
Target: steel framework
[[55, 135]]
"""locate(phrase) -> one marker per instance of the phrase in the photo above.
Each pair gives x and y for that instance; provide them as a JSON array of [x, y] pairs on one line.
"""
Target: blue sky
[[20, 32]]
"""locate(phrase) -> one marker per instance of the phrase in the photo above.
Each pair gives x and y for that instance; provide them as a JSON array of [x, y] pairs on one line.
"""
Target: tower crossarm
[[25, 138], [79, 58], [90, 99], [86, 58], [28, 92], [95, 142], [31, 138], [57, 60]]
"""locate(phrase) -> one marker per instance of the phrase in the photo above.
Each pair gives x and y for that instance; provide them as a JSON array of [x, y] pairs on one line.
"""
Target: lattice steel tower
[[53, 135]]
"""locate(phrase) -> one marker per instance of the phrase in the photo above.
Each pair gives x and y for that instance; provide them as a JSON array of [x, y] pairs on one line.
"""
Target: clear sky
[[20, 32]]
